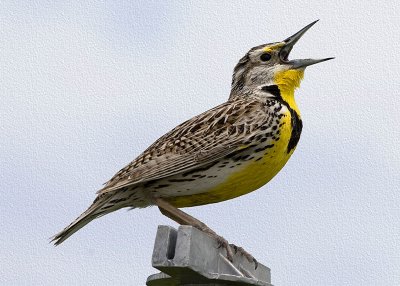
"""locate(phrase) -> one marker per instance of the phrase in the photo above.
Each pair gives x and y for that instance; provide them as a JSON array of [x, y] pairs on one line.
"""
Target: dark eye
[[265, 57]]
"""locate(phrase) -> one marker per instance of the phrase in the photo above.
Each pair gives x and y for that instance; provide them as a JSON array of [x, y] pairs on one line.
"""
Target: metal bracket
[[188, 256]]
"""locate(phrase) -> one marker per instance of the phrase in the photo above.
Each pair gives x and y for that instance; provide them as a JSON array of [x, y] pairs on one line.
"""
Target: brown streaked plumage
[[206, 138], [196, 142], [225, 152]]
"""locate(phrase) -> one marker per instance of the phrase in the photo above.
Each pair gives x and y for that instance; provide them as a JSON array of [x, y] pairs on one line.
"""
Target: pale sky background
[[85, 87]]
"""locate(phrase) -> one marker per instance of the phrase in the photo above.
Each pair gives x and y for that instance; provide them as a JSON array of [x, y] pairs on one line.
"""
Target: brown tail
[[94, 211]]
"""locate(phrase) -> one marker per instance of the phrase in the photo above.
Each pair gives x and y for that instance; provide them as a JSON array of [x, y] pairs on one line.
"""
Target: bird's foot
[[222, 242], [243, 252]]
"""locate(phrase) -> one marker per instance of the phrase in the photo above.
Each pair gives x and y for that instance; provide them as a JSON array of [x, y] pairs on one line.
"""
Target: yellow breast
[[247, 177]]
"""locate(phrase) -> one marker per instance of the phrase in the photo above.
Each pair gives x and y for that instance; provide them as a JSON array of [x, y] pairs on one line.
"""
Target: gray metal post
[[189, 257]]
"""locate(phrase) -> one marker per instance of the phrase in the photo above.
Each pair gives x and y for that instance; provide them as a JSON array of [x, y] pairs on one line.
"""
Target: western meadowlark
[[225, 152]]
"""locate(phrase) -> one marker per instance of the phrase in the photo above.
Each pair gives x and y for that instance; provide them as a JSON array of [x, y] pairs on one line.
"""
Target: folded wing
[[197, 142]]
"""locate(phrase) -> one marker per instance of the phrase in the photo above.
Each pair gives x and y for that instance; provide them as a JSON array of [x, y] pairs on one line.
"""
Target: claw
[[248, 256], [222, 242], [255, 263], [235, 248]]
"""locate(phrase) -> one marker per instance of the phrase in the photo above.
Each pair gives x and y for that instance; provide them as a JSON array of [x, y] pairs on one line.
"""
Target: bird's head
[[269, 65]]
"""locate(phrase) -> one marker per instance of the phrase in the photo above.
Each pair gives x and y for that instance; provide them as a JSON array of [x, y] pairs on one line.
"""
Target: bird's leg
[[185, 219]]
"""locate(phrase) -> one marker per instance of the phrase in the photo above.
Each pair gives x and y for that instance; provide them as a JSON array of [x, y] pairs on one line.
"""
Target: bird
[[223, 153]]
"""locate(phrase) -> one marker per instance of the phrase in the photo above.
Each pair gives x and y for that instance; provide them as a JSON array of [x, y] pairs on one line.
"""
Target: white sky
[[86, 87]]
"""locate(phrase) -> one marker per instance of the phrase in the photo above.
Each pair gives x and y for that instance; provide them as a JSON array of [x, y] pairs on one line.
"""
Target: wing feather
[[197, 142]]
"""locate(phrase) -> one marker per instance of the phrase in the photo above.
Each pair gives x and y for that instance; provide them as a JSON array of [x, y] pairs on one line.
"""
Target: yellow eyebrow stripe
[[273, 47]]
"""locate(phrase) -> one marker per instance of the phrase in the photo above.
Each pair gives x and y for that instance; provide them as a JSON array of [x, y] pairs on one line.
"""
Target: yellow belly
[[249, 177]]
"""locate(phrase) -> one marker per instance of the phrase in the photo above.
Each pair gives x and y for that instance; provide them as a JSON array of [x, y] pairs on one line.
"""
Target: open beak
[[290, 42]]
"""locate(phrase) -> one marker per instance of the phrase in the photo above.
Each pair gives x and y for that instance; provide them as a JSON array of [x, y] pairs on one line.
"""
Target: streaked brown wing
[[199, 141]]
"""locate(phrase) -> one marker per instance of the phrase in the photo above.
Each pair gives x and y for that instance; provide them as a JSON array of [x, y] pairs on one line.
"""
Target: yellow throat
[[288, 81]]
